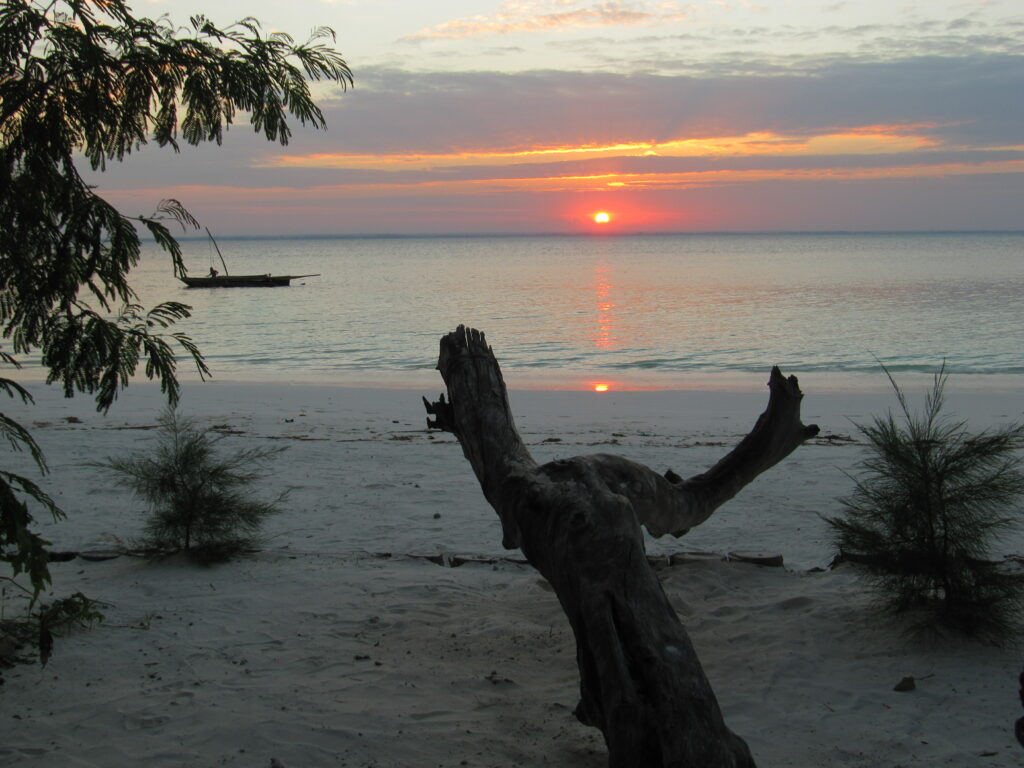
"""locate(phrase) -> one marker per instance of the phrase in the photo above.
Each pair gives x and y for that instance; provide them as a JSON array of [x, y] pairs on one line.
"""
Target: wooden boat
[[216, 280], [241, 281]]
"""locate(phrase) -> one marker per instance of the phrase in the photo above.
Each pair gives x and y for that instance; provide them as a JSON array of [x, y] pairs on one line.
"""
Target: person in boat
[[213, 272]]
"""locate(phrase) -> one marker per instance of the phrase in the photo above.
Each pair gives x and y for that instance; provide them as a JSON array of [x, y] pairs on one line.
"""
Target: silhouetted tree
[[87, 79]]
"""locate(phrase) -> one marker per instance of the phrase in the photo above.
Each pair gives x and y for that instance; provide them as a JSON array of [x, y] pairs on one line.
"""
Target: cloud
[[742, 50], [969, 101], [546, 15], [404, 123], [447, 139], [873, 140], [959, 202], [724, 161], [651, 178]]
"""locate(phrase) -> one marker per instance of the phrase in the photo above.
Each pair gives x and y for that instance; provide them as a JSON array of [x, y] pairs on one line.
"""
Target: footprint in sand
[[143, 722]]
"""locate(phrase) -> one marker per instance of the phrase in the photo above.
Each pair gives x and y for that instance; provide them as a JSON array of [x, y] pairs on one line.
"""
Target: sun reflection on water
[[604, 337]]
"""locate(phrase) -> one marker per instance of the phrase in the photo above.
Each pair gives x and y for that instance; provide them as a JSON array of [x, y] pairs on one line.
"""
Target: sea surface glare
[[657, 311]]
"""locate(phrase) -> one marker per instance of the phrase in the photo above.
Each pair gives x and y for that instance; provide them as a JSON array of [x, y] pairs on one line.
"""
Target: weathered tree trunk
[[578, 522]]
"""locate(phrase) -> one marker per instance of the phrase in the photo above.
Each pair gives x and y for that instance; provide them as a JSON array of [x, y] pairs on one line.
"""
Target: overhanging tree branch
[[87, 78]]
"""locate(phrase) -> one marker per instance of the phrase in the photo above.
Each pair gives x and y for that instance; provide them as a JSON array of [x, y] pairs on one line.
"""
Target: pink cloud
[[545, 15]]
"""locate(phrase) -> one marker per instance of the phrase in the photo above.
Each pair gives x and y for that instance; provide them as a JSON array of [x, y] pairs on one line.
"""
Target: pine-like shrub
[[199, 499], [925, 512]]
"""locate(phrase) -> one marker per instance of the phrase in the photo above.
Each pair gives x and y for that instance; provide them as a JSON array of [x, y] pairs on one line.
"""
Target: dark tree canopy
[[87, 78], [88, 81]]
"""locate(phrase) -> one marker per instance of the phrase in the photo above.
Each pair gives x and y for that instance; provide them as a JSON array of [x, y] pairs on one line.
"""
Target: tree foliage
[[925, 513], [38, 627], [198, 497], [88, 81]]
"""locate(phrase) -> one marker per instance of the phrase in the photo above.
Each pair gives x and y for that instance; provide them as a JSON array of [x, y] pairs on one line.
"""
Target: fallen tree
[[578, 521]]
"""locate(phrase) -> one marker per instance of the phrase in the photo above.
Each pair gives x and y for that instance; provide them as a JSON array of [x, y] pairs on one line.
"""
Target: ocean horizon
[[590, 234]]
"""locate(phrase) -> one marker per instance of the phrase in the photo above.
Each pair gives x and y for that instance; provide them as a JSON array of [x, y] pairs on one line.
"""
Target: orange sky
[[893, 153], [518, 119]]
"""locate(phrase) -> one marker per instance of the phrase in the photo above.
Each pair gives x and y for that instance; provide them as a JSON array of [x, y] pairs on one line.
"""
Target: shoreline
[[812, 382], [382, 434]]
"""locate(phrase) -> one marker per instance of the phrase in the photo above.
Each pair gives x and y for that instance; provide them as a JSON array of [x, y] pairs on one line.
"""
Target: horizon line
[[640, 233]]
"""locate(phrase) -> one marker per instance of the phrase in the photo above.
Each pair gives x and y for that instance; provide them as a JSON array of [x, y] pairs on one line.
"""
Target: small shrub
[[199, 500], [925, 512]]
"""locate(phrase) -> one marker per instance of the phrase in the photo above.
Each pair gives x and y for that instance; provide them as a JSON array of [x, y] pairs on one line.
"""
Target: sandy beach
[[650, 207], [348, 641]]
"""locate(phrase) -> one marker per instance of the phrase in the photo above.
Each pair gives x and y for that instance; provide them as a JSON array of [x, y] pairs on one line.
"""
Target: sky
[[531, 116]]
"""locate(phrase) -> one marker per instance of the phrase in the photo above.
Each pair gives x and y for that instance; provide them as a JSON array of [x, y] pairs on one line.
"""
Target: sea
[[638, 312], [654, 311]]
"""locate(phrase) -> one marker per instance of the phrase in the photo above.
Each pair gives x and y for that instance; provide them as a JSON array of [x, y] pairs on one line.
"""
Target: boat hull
[[241, 281]]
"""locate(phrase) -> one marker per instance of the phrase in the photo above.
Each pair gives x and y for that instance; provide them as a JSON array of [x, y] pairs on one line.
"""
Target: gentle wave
[[555, 306]]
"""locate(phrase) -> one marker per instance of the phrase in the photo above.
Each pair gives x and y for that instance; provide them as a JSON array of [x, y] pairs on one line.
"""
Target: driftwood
[[578, 522]]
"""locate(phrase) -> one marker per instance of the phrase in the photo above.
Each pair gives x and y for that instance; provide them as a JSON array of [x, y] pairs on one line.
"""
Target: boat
[[240, 281], [217, 280]]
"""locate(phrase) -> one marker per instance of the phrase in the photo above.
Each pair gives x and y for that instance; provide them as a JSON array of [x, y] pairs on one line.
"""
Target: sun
[[602, 217]]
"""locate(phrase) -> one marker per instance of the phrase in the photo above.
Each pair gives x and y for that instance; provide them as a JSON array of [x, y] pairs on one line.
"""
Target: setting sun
[[600, 387], [602, 217]]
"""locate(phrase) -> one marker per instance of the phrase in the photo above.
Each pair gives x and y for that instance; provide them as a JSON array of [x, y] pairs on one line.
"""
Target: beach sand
[[344, 643]]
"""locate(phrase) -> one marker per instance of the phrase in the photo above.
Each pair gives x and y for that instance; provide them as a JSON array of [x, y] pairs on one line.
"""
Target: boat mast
[[223, 263]]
